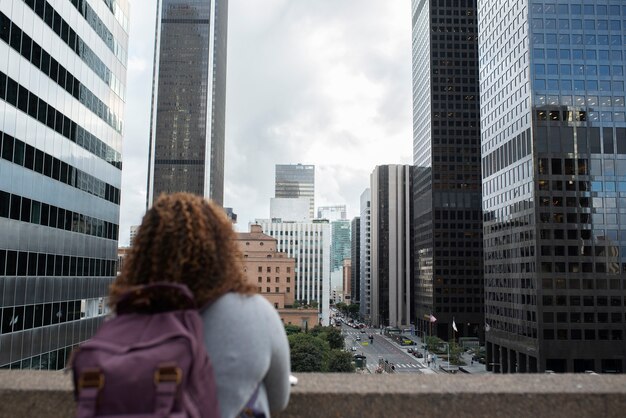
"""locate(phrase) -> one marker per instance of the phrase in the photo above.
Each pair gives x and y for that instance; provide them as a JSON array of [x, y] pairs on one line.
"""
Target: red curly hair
[[185, 239]]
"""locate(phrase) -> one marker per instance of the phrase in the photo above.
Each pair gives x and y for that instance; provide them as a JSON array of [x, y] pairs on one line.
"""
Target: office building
[[296, 209], [391, 256], [188, 99], [554, 163], [365, 272], [62, 85], [355, 257], [332, 213], [296, 180], [446, 156], [340, 244], [347, 281], [273, 272], [309, 244]]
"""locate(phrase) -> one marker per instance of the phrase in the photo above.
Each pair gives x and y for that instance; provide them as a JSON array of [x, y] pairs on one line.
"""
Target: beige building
[[347, 273], [273, 273]]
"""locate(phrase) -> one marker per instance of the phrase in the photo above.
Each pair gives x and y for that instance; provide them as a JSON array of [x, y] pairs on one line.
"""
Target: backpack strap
[[249, 410], [167, 379], [90, 382]]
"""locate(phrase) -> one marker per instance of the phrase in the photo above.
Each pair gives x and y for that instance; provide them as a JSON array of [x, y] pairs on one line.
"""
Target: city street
[[381, 348]]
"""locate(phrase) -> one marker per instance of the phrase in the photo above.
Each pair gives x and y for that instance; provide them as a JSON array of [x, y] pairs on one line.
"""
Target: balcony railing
[[49, 394]]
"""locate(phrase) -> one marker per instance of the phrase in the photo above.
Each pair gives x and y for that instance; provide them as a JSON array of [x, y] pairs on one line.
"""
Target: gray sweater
[[247, 345]]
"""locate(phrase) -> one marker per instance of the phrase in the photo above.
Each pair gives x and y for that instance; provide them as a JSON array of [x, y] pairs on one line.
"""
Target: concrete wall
[[49, 394]]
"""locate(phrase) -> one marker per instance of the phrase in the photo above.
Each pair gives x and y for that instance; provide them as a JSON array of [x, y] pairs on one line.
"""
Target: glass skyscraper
[[62, 84], [296, 180], [554, 181], [189, 96], [447, 179]]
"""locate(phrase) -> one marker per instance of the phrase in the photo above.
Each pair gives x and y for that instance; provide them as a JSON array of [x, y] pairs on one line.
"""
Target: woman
[[186, 239]]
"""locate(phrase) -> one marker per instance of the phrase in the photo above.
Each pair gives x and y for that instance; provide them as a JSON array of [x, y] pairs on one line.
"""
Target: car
[[362, 331], [353, 348], [409, 350], [418, 354], [358, 338]]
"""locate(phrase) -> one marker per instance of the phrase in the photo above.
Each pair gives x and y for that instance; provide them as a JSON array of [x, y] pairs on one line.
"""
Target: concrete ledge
[[49, 394]]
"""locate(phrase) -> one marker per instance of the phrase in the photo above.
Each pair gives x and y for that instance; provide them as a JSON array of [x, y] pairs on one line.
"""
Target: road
[[381, 348]]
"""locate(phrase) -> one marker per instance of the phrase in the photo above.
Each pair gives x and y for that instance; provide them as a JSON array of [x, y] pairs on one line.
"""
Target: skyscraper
[[446, 155], [296, 180], [391, 258], [355, 256], [62, 86], [554, 163], [365, 272], [340, 244], [188, 99]]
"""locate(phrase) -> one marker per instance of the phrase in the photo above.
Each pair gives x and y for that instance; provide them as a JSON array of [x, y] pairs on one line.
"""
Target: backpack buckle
[[91, 378], [168, 374]]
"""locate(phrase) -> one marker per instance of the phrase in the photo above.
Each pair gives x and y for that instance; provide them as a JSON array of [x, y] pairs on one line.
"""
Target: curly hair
[[184, 238]]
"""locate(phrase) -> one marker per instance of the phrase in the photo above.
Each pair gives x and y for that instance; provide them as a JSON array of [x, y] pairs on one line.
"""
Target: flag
[[454, 326], [432, 318], [487, 327]]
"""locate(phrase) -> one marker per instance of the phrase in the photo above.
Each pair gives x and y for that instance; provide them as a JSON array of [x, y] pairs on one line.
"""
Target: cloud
[[325, 82]]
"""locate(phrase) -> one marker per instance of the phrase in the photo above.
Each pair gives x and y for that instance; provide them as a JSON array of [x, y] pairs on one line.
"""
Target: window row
[[18, 96], [46, 12], [21, 318], [578, 9], [578, 85], [98, 26], [589, 334], [53, 360], [551, 38], [22, 263], [559, 267], [513, 150], [23, 209], [41, 59], [276, 290], [22, 154]]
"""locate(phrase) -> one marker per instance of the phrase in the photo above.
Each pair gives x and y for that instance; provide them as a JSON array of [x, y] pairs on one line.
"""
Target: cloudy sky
[[323, 82]]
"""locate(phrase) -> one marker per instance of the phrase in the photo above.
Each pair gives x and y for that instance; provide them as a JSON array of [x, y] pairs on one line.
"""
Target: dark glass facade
[[61, 124], [189, 92], [391, 246], [447, 177], [554, 163]]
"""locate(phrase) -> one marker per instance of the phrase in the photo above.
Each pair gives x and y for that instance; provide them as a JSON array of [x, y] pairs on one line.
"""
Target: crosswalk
[[409, 366]]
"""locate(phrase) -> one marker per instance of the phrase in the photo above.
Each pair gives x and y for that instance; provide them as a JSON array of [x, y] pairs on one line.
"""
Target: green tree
[[435, 344], [353, 310], [292, 329], [340, 361], [455, 354], [308, 353], [331, 335]]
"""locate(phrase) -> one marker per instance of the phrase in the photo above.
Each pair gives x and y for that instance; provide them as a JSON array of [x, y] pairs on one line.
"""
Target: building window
[[288, 269], [269, 279], [277, 269], [288, 290], [269, 269], [277, 279], [260, 269], [277, 290], [268, 290], [260, 279]]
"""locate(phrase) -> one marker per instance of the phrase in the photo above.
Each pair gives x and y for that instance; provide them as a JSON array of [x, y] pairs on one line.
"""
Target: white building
[[365, 259], [309, 244], [296, 209], [332, 213]]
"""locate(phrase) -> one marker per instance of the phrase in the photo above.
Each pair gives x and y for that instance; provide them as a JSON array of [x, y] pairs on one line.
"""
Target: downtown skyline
[[313, 97]]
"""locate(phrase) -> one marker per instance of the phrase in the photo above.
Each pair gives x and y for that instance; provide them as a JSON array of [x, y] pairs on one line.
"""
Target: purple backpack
[[148, 361]]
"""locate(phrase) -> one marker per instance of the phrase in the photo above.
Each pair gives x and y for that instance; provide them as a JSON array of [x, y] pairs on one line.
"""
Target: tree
[[308, 353], [292, 329], [331, 335], [340, 361], [353, 310]]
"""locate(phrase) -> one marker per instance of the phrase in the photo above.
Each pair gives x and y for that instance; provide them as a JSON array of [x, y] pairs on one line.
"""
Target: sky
[[323, 82]]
